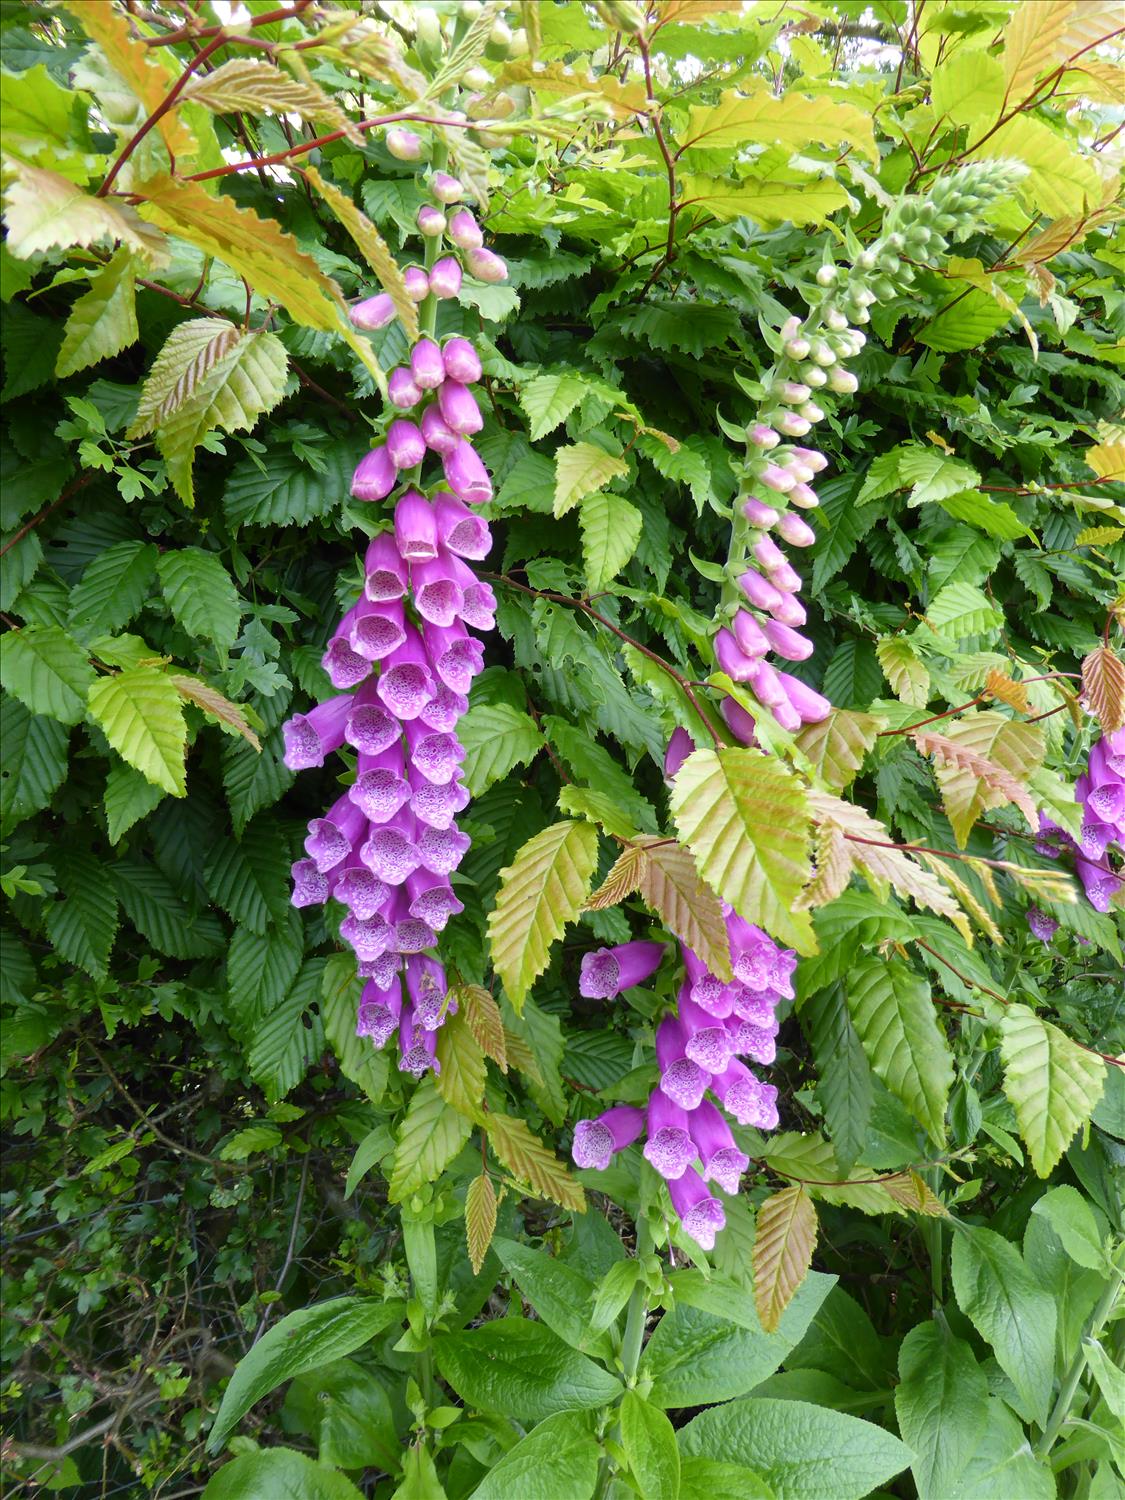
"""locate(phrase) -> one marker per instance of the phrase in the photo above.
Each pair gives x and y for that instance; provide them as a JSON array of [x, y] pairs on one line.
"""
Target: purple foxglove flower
[[704, 988], [464, 231], [416, 536], [750, 1101], [1099, 883], [370, 729], [403, 144], [431, 899], [462, 362], [466, 475], [1042, 926], [446, 189], [811, 459], [445, 277], [1114, 744], [438, 597], [669, 1147], [402, 390], [411, 937], [756, 1007], [373, 312], [310, 737], [434, 756], [759, 590], [707, 1041], [381, 971], [478, 608], [405, 444], [758, 513], [700, 1215], [796, 532], [812, 707], [426, 983], [390, 852], [375, 475], [1095, 838], [459, 409], [486, 266], [787, 642], [310, 886], [680, 746], [732, 659], [804, 496], [767, 554], [786, 578], [757, 960], [384, 571], [331, 838], [786, 716], [749, 635], [426, 363], [444, 710], [764, 680], [722, 1161], [683, 1081], [595, 1141], [417, 1048], [430, 221], [738, 721], [380, 789], [608, 971], [380, 1007], [776, 478], [456, 657], [757, 1042], [792, 424], [789, 610], [761, 436], [1052, 838], [461, 530], [441, 850], [358, 890], [439, 437], [406, 684], [345, 667], [377, 629], [417, 283]]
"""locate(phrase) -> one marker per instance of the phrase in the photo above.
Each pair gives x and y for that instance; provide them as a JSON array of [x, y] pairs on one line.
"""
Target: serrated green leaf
[[47, 671], [253, 780], [35, 757], [141, 714], [893, 1015], [286, 1040], [745, 818], [187, 356], [496, 737], [1052, 1083], [540, 892], [83, 925], [430, 1136], [580, 469], [339, 1006], [611, 529], [201, 594], [129, 797], [960, 610], [249, 878], [161, 916], [549, 399], [261, 967], [103, 321], [113, 588], [285, 490]]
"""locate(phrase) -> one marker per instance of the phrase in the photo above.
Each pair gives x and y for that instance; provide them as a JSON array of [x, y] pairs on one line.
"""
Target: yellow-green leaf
[[430, 1136], [784, 1240], [463, 1071], [189, 352], [480, 1219], [256, 86], [767, 201], [745, 817], [794, 120], [373, 248], [540, 892], [141, 714], [611, 529], [894, 1017], [103, 321], [483, 1018], [967, 87], [1052, 1083], [1032, 45], [837, 746], [580, 469], [1060, 180], [906, 674], [44, 211], [981, 761], [530, 1162]]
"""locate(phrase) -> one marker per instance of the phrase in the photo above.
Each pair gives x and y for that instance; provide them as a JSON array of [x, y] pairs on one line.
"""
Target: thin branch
[[71, 489]]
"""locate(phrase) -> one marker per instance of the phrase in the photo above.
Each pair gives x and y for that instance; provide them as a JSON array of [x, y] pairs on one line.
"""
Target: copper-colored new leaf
[[783, 1249], [530, 1162], [482, 1016], [480, 1219], [622, 880], [1103, 687], [671, 886]]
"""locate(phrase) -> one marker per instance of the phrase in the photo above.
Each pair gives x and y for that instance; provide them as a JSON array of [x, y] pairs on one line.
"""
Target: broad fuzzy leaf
[[746, 820], [201, 595], [941, 1403], [141, 714], [530, 1162], [103, 321], [47, 671], [1053, 1084], [540, 893], [783, 1249], [893, 1015], [983, 760]]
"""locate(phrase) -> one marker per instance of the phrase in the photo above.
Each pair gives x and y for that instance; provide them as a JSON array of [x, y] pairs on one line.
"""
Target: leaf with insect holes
[[1052, 1084], [784, 1241], [1103, 687], [540, 892], [480, 1219], [483, 1018], [982, 761], [372, 247], [524, 1155]]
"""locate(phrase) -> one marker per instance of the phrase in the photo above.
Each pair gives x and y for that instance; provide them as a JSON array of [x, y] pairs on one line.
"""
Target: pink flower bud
[[680, 746], [766, 684], [811, 706], [486, 266], [792, 391], [445, 277], [373, 312], [403, 144], [446, 189], [417, 283], [843, 382], [752, 639], [430, 221], [426, 364], [787, 642], [464, 230], [813, 375], [405, 444], [800, 472], [768, 554], [459, 410], [762, 436], [760, 592], [731, 658], [786, 716], [415, 528], [793, 425], [797, 348], [438, 436], [796, 532], [467, 476], [786, 578], [375, 475], [789, 610], [739, 722], [461, 360], [805, 497], [401, 389], [811, 412], [774, 477], [814, 460], [790, 328], [758, 513]]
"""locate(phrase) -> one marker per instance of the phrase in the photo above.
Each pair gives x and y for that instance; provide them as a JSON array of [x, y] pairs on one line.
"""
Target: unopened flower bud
[[774, 477], [786, 716], [375, 475], [767, 554], [445, 277], [789, 610], [476, 77], [786, 578], [790, 328], [787, 642], [796, 532], [843, 382], [461, 360], [760, 592], [792, 391], [835, 320], [486, 266], [426, 365], [431, 221], [797, 348], [373, 312], [417, 283], [804, 496], [813, 376], [811, 706], [759, 514], [403, 144], [822, 354], [809, 456], [826, 276], [405, 444], [752, 639], [464, 230], [446, 189], [762, 436], [402, 390], [793, 425], [811, 413]]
